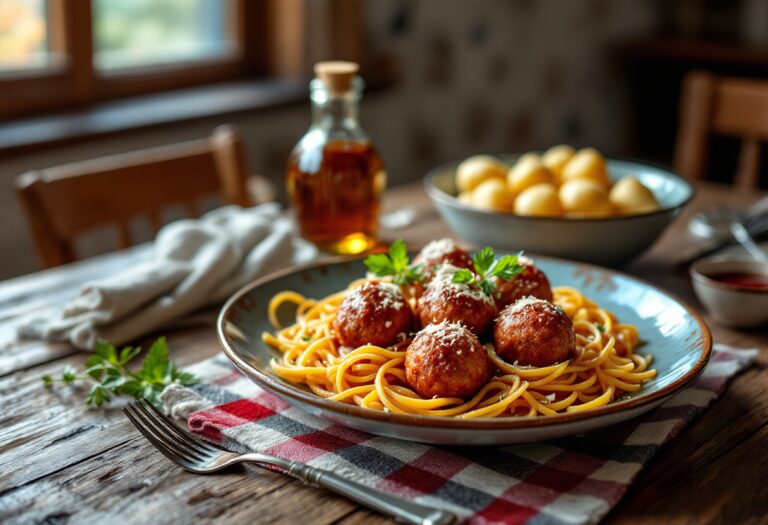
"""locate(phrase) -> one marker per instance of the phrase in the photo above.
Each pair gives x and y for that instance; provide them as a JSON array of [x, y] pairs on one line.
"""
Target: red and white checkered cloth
[[566, 481]]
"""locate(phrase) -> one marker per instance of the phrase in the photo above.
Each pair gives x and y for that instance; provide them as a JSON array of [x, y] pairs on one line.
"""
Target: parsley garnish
[[600, 327], [487, 267], [107, 371], [394, 263]]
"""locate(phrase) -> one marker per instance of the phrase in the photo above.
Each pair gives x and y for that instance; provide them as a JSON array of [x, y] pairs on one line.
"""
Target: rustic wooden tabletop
[[63, 462]]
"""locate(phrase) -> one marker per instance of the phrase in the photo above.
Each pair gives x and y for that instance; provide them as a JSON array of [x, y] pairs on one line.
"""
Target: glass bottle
[[335, 177]]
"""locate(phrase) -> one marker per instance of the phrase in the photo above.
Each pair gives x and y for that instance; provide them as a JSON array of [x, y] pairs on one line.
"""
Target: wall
[[476, 76]]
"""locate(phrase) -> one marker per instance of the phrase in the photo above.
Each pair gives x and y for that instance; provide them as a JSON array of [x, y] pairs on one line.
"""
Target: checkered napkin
[[570, 480]]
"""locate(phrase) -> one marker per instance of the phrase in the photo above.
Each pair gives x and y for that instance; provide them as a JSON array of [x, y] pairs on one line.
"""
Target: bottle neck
[[336, 113]]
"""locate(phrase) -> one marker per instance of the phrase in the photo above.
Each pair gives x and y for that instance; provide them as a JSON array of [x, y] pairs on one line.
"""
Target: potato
[[556, 157], [629, 196], [584, 198], [528, 157], [475, 170], [589, 164], [493, 194], [465, 197], [528, 172], [539, 200]]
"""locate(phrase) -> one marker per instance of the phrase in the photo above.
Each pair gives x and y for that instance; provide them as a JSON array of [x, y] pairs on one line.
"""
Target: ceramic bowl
[[728, 304], [677, 338], [610, 241]]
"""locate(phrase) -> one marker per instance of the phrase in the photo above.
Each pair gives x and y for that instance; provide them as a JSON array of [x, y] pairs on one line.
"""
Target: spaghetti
[[373, 377]]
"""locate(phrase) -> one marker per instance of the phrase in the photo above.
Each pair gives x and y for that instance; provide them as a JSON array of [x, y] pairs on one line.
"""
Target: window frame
[[71, 80]]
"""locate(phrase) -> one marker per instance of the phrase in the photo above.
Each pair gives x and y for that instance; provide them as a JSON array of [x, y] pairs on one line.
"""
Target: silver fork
[[195, 455]]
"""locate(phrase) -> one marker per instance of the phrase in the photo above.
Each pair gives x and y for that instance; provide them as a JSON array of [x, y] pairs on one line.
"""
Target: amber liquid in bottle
[[335, 178], [336, 192]]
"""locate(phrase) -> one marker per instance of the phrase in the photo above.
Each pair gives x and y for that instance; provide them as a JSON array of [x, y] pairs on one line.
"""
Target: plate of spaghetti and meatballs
[[454, 347]]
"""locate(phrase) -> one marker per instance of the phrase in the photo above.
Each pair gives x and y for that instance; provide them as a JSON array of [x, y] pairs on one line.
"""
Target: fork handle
[[401, 509]]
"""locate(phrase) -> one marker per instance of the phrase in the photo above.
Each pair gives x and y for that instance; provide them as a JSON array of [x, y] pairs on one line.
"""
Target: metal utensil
[[743, 237], [715, 227], [197, 456]]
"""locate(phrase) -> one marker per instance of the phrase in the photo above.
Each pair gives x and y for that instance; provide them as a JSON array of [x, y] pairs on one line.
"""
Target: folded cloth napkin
[[196, 262], [570, 480]]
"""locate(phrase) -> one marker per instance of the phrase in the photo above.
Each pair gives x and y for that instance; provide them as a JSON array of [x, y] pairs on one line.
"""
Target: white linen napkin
[[196, 262]]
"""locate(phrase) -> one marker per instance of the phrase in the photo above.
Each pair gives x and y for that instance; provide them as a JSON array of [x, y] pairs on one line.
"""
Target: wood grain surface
[[61, 462]]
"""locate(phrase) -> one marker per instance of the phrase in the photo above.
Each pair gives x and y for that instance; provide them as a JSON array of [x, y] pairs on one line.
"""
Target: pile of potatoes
[[562, 182]]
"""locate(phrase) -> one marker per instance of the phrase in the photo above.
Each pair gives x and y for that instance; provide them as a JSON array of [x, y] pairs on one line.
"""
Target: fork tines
[[174, 442]]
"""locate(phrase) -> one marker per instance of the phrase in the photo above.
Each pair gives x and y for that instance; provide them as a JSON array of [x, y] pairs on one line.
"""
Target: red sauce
[[754, 281]]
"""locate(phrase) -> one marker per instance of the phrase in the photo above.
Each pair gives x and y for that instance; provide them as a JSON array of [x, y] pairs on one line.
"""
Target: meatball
[[374, 313], [532, 282], [444, 300], [534, 332], [441, 252], [446, 360]]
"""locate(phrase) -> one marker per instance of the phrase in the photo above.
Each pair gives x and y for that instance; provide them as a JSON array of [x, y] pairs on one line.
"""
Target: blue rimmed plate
[[676, 336]]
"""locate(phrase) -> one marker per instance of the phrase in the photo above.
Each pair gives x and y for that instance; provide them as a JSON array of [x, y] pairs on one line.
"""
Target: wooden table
[[62, 462]]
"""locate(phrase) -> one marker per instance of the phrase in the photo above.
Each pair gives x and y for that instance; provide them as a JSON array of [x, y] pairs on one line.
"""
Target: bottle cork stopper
[[336, 75]]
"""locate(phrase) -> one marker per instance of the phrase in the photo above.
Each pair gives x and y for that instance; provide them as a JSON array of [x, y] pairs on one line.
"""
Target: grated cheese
[[443, 281], [435, 250]]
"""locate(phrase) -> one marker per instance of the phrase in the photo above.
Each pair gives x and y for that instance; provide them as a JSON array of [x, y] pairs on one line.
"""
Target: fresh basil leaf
[[463, 276], [106, 351], [98, 395], [156, 362], [95, 372], [132, 388], [488, 287], [186, 379], [506, 268], [398, 253], [416, 273], [69, 375], [94, 367], [128, 353], [483, 260], [379, 264], [109, 376], [114, 379]]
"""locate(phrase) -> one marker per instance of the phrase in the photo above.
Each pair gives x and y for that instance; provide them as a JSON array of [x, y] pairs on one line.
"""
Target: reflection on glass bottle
[[335, 177]]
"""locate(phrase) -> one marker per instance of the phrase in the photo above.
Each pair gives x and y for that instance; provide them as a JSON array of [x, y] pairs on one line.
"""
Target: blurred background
[[445, 79]]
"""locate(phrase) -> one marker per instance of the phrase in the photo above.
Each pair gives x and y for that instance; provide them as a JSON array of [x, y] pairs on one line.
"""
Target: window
[[23, 35], [48, 60], [59, 54], [147, 32]]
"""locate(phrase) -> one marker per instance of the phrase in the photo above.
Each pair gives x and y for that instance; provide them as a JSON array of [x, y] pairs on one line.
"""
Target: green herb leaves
[[463, 276], [487, 267], [394, 263], [107, 371]]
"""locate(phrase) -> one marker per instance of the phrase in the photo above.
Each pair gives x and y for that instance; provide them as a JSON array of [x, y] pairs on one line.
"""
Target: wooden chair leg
[[52, 250], [749, 164], [229, 156], [693, 132]]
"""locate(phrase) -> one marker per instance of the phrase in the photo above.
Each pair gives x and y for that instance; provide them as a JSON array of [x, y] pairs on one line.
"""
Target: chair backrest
[[712, 105], [65, 201]]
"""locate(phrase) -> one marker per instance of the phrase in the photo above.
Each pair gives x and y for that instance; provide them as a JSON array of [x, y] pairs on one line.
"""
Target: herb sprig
[[107, 372], [487, 267], [395, 263]]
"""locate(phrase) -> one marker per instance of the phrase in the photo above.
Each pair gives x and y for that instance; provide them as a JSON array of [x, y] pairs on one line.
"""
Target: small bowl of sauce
[[747, 280], [734, 291]]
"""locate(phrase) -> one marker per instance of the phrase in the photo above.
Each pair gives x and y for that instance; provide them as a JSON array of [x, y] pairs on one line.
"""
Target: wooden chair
[[64, 201], [725, 106]]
